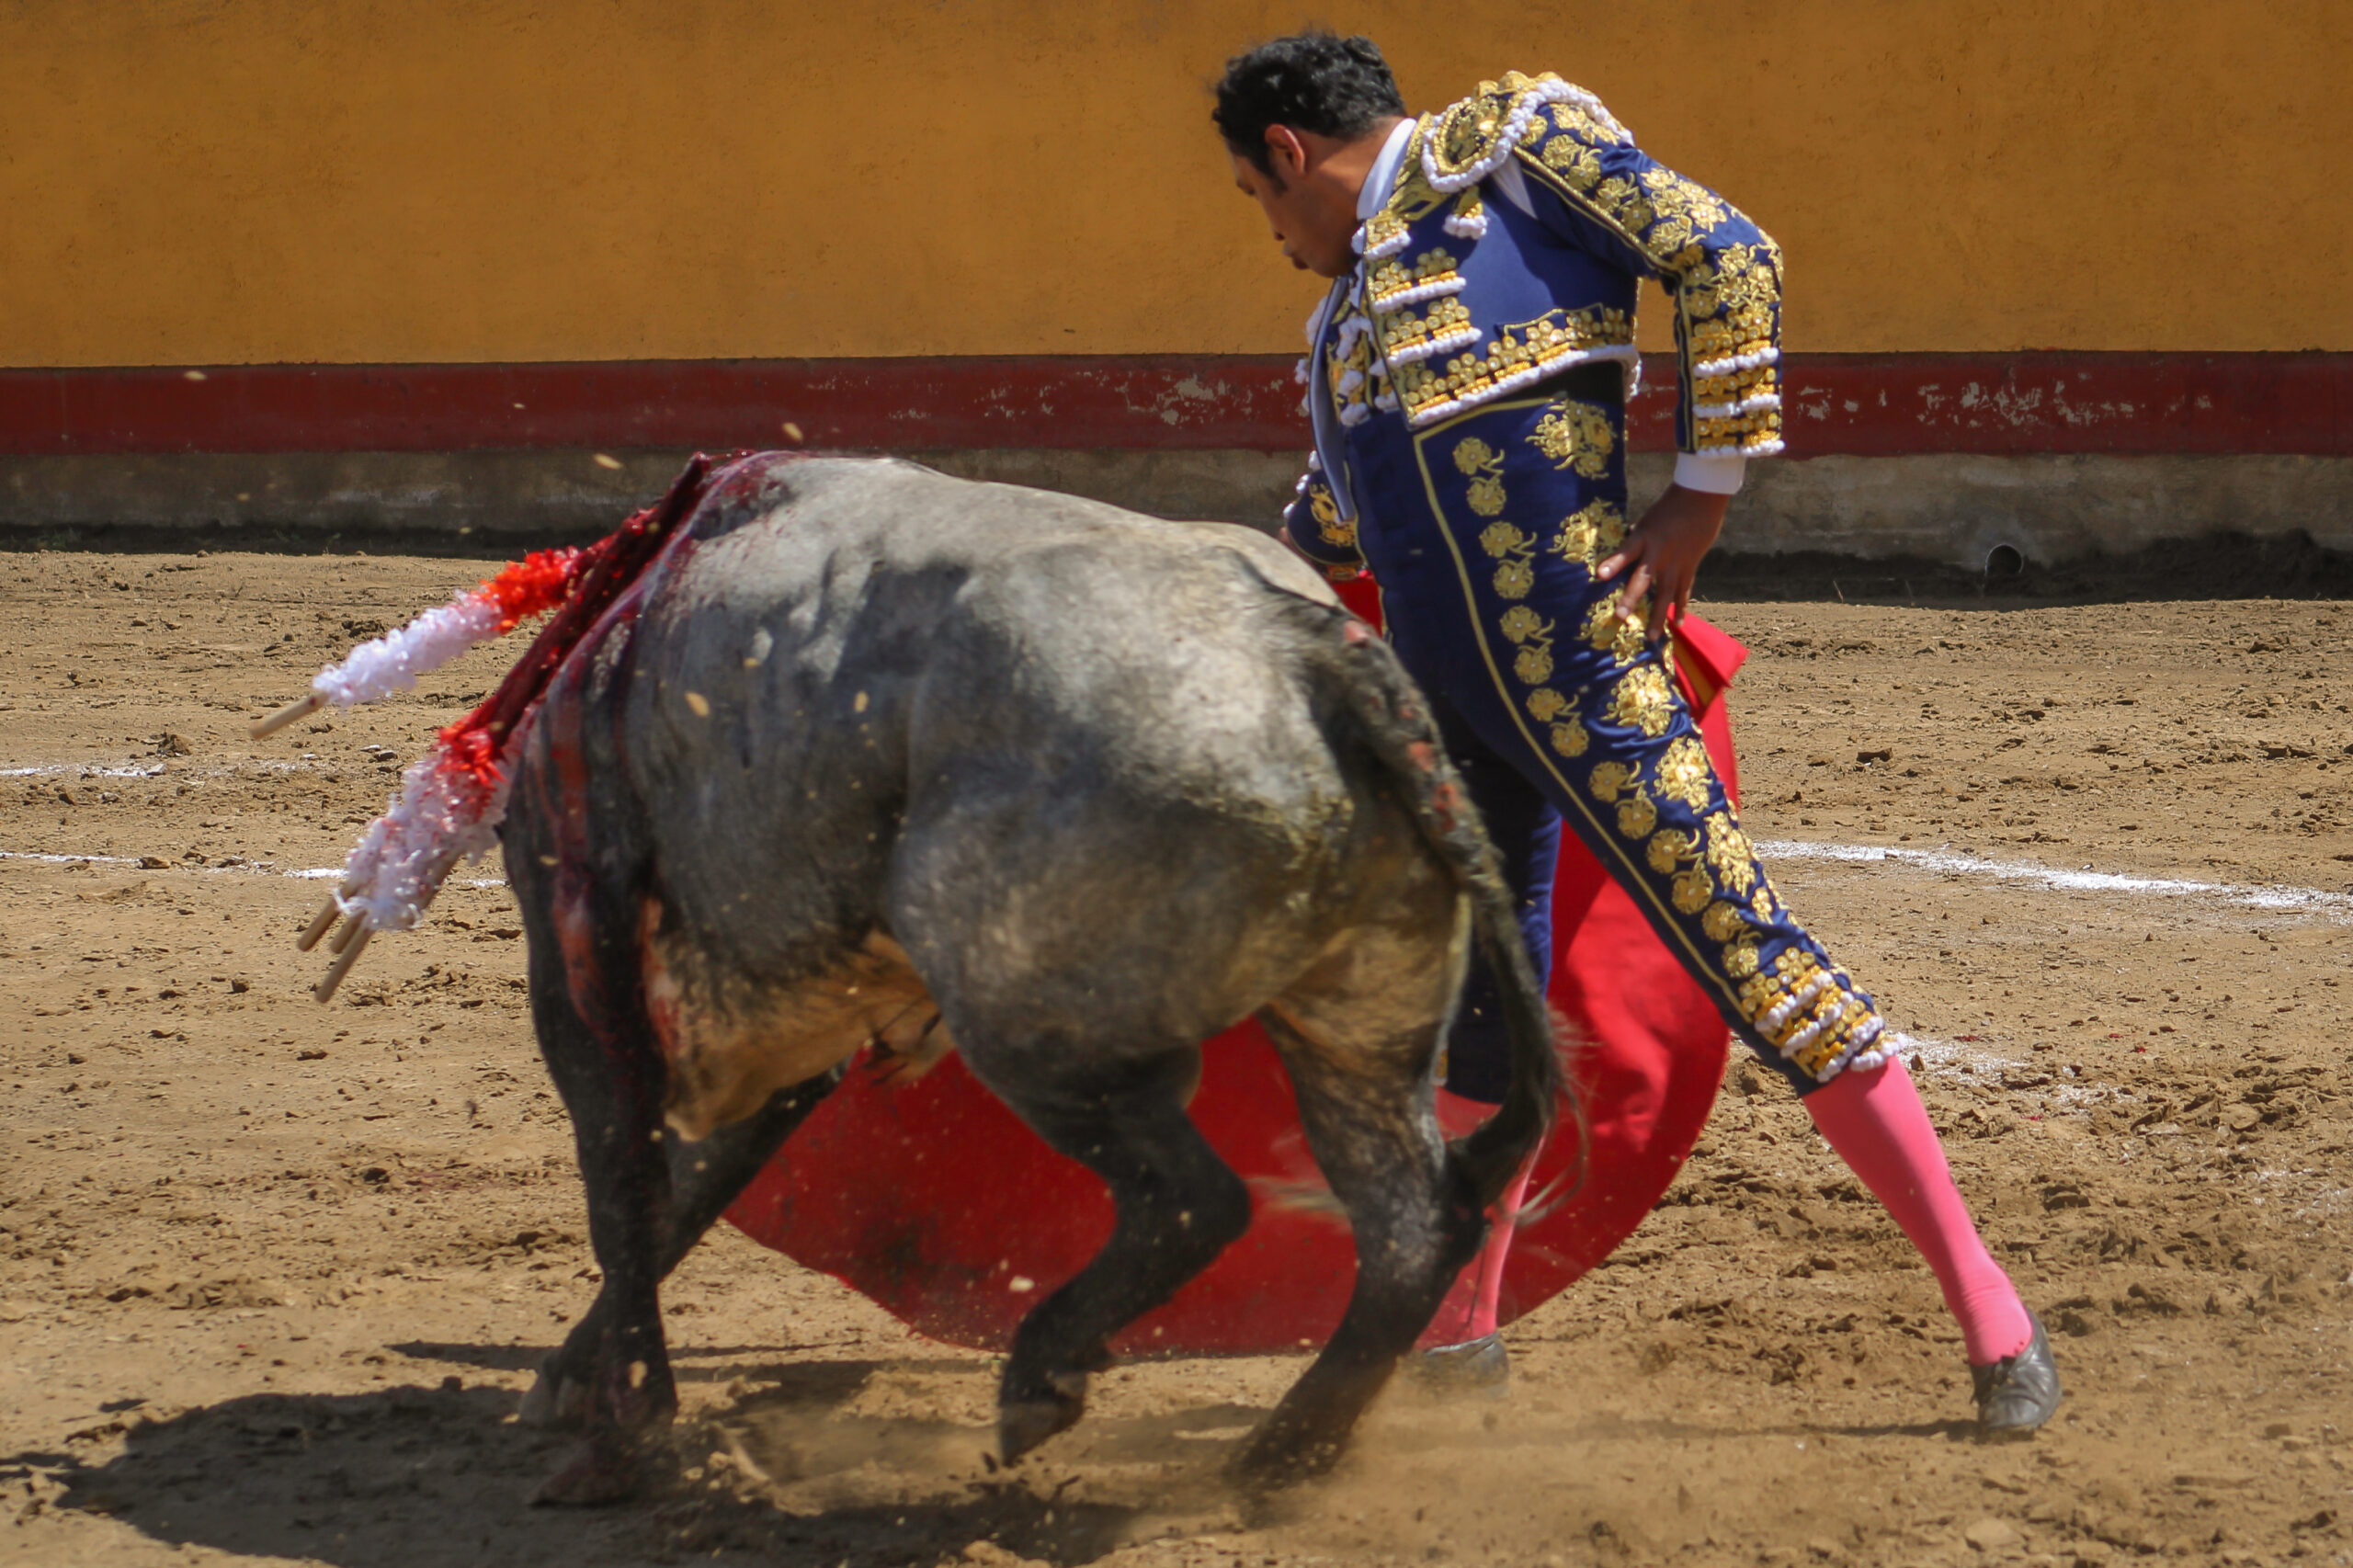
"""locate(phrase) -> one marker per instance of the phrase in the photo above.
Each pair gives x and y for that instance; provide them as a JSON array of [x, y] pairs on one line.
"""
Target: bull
[[872, 757]]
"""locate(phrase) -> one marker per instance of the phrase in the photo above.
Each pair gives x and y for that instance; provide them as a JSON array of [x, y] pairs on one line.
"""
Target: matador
[[1467, 376]]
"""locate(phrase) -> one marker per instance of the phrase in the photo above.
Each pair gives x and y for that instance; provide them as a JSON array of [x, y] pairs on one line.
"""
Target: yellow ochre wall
[[253, 181]]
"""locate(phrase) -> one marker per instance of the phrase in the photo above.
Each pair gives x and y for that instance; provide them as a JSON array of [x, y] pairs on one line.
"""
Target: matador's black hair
[[1311, 81]]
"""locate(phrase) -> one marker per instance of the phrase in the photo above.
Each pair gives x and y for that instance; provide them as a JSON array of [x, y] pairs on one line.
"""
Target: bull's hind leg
[[705, 1177], [1360, 1056], [1178, 1205]]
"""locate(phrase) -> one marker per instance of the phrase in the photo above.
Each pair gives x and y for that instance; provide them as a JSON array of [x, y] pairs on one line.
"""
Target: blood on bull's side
[[867, 755]]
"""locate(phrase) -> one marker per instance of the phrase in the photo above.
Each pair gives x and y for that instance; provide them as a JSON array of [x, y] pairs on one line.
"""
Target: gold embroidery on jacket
[[1413, 200], [1727, 294], [1680, 211], [1392, 280], [1520, 354], [1407, 338], [1330, 526]]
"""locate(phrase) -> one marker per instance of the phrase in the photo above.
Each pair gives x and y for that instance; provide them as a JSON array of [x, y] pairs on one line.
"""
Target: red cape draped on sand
[[931, 1198]]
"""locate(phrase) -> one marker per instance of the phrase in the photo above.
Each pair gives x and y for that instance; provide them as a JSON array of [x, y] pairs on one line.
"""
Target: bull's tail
[[1395, 720]]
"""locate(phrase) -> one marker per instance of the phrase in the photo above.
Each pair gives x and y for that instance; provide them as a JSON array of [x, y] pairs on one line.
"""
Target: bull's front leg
[[705, 1177], [1178, 1205], [602, 1055]]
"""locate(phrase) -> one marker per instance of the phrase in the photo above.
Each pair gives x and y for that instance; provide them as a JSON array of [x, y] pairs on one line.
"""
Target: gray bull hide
[[874, 754]]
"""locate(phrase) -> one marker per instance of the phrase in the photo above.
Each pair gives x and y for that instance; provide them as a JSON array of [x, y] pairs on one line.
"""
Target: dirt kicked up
[[273, 1277]]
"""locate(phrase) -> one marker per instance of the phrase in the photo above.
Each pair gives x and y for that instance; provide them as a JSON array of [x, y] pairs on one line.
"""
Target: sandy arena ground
[[272, 1277]]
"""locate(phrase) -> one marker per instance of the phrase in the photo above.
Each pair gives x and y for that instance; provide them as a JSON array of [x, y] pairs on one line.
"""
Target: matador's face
[[1309, 198]]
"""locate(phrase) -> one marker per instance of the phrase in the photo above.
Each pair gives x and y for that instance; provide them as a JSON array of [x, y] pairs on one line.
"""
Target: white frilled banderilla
[[453, 797]]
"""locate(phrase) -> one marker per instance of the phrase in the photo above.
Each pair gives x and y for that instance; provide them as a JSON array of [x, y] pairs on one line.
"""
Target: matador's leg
[[1529, 651]]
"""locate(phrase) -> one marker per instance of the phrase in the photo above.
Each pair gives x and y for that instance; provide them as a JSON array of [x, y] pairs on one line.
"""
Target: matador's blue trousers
[[1556, 710]]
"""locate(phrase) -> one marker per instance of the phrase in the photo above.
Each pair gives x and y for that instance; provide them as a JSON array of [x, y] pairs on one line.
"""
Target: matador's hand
[[1662, 555]]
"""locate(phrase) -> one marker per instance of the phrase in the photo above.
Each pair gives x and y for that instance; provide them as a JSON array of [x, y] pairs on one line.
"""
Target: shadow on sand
[[417, 1475]]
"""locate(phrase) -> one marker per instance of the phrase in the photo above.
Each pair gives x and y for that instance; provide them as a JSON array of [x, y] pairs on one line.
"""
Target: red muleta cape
[[934, 1200]]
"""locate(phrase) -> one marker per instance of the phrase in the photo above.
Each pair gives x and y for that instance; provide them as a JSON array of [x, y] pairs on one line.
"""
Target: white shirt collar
[[1382, 179]]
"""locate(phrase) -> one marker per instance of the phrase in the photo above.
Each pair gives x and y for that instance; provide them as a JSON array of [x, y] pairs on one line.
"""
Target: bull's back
[[845, 647]]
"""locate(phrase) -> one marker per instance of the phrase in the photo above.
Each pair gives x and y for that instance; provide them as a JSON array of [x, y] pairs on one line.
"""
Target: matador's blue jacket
[[1468, 388], [1464, 299]]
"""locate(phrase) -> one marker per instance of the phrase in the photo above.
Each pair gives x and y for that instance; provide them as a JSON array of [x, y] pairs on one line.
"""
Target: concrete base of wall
[[1956, 509], [1948, 510]]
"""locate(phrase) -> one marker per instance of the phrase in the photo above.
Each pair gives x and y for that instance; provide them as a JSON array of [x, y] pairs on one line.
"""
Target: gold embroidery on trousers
[[1516, 574], [1723, 921], [1671, 848], [1483, 466], [1590, 532], [1684, 772], [1549, 707], [1618, 783], [1674, 852], [1730, 855], [1576, 435], [1641, 699], [1533, 635], [1606, 631], [1804, 1009], [1611, 779]]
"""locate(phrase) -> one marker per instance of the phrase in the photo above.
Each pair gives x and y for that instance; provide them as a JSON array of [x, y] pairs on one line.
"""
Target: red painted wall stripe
[[1863, 404]]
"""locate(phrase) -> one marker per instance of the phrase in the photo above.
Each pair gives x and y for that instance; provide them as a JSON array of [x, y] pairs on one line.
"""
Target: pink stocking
[[1874, 1119], [1471, 1307]]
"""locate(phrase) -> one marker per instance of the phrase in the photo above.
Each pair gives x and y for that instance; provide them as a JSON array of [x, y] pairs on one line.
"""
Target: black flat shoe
[[2017, 1393], [1475, 1366]]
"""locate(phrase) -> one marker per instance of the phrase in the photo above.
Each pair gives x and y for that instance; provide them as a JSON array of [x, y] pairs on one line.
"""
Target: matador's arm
[[1314, 526], [1723, 273]]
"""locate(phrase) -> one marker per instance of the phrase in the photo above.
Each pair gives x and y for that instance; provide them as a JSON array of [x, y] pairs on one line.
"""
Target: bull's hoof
[[601, 1472], [554, 1401], [1022, 1425], [1276, 1457]]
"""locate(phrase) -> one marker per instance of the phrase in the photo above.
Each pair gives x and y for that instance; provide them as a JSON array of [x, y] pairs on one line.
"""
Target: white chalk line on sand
[[1955, 862], [241, 867], [81, 770]]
